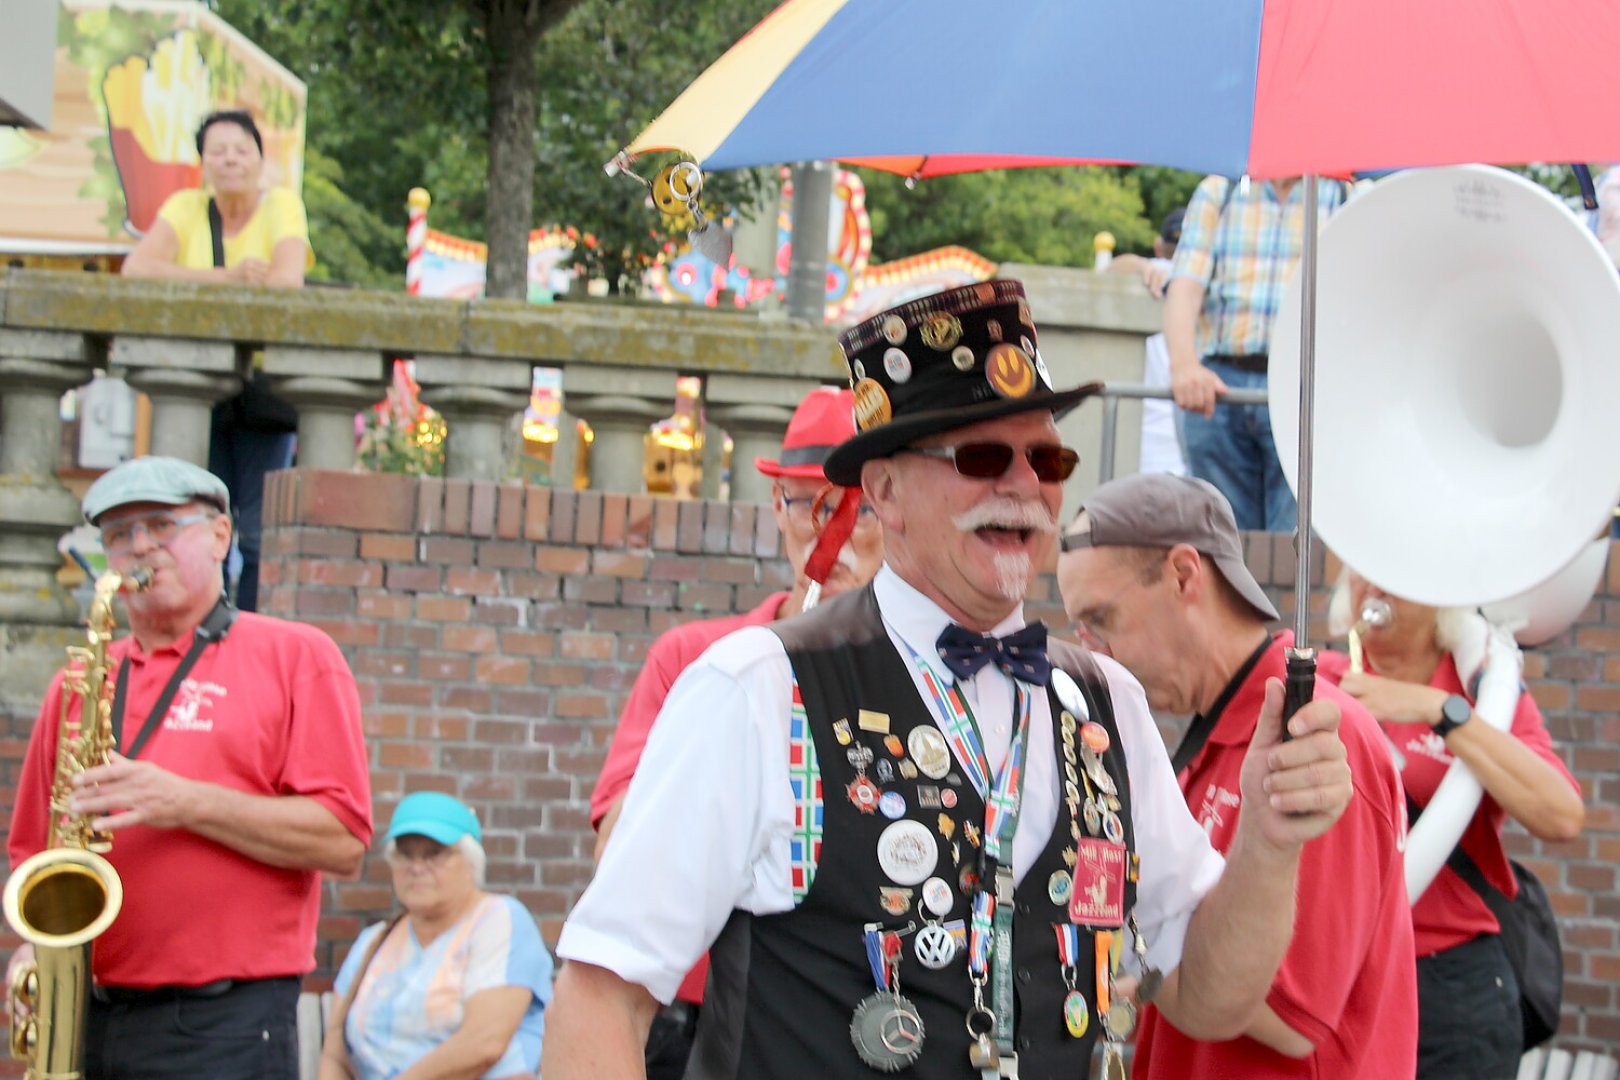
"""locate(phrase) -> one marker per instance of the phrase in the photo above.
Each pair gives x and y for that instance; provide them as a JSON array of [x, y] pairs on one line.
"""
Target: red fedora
[[825, 418]]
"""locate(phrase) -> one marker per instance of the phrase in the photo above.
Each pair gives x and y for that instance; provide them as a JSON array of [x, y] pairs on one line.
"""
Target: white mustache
[[1004, 511]]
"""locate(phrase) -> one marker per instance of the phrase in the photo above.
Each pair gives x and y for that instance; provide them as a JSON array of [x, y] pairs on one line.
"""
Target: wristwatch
[[1453, 715]]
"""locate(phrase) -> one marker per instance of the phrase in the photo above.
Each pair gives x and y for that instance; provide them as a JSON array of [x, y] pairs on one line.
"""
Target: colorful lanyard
[[990, 926]]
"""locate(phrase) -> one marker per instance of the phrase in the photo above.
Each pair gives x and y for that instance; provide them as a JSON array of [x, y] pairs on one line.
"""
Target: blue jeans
[[241, 458], [1233, 450]]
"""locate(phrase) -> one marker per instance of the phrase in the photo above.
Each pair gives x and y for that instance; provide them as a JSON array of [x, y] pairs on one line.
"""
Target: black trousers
[[669, 1041], [1469, 1026], [248, 1030]]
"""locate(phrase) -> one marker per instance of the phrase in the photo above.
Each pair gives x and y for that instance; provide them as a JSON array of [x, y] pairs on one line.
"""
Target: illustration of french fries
[[154, 104]]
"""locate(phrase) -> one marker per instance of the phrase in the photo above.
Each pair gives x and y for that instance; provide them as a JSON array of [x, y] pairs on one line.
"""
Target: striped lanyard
[[990, 923]]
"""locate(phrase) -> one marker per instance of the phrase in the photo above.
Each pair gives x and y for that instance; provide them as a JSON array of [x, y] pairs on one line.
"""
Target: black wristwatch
[[1453, 715]]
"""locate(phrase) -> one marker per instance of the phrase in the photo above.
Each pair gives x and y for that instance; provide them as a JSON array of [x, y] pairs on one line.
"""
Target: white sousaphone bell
[[1466, 451]]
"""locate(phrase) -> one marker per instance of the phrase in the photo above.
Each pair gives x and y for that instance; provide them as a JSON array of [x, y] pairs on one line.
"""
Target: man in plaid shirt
[[1240, 243]]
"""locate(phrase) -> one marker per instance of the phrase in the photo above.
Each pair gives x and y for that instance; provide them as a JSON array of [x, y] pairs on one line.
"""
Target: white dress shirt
[[707, 820]]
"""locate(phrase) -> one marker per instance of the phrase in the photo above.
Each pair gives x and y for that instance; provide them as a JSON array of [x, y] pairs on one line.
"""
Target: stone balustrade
[[187, 345]]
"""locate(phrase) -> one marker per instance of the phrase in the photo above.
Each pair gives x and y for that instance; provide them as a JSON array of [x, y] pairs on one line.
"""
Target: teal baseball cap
[[165, 480], [434, 815]]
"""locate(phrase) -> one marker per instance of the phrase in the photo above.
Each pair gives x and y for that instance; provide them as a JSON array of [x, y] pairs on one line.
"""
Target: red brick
[[447, 549], [336, 545], [562, 560], [742, 528], [391, 692], [638, 522], [767, 539], [386, 547], [716, 527], [502, 669], [509, 510], [657, 594], [585, 646], [382, 606], [457, 506], [379, 723], [376, 502], [502, 732], [533, 586], [675, 568], [479, 639], [619, 564], [614, 509], [524, 703], [474, 699], [445, 609], [465, 581], [481, 517], [386, 664], [559, 674], [413, 578], [709, 599], [348, 631], [323, 602], [564, 507], [405, 755], [689, 529], [588, 518], [591, 590], [582, 706], [353, 575], [468, 759], [430, 504], [537, 514], [730, 571], [666, 524], [441, 668], [528, 643], [449, 728], [505, 555]]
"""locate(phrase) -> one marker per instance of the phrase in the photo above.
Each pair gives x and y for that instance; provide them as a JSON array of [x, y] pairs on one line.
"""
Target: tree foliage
[[399, 98]]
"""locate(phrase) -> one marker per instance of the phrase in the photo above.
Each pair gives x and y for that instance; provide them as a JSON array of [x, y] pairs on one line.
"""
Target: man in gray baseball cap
[[166, 481], [1152, 573]]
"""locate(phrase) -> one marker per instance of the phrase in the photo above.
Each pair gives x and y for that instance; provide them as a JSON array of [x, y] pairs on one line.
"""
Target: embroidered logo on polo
[[804, 777], [193, 706]]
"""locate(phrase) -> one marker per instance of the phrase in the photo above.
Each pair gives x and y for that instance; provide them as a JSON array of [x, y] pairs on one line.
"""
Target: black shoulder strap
[[1459, 861], [214, 628], [216, 232], [1202, 726]]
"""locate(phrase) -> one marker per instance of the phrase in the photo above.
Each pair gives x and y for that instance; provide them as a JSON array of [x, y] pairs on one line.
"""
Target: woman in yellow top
[[266, 235]]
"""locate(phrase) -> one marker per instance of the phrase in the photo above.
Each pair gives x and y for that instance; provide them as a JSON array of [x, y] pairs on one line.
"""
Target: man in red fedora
[[811, 515]]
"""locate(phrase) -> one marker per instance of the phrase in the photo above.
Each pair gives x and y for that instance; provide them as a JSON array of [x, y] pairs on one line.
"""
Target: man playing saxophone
[[241, 776]]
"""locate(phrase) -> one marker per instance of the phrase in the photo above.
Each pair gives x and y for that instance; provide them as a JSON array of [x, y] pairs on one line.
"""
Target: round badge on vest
[[929, 750], [907, 852]]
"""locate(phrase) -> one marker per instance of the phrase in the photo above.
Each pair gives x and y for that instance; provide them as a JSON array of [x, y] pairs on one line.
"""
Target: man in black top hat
[[878, 812]]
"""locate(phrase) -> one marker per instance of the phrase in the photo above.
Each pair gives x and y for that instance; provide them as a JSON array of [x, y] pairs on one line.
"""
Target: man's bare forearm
[[596, 1026]]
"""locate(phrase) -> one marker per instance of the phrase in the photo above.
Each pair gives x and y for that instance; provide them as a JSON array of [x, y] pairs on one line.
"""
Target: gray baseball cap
[[166, 480], [1160, 510]]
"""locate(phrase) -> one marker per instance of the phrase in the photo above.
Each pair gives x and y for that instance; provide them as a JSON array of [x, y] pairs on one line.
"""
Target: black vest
[[782, 988]]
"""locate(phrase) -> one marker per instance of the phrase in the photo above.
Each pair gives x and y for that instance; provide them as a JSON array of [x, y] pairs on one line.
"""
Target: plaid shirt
[[1244, 256]]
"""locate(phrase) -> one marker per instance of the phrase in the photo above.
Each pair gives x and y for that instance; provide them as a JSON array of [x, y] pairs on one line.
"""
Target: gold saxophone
[[61, 899]]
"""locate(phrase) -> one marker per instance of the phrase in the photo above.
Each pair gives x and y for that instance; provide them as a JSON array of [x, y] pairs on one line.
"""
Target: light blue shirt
[[412, 998]]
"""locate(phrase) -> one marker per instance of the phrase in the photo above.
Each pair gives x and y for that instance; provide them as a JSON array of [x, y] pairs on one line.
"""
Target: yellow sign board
[[133, 79]]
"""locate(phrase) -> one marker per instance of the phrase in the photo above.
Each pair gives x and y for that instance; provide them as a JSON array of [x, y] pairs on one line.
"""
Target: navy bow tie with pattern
[[1021, 654]]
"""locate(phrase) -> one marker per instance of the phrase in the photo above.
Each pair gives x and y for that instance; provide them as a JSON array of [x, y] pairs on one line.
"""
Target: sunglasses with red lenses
[[988, 460]]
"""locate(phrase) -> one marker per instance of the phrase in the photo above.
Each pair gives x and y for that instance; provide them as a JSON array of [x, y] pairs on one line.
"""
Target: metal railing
[[1113, 393]]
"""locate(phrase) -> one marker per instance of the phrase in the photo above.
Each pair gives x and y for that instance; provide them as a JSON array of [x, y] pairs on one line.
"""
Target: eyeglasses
[[824, 512], [989, 460], [432, 855], [1094, 630], [161, 528]]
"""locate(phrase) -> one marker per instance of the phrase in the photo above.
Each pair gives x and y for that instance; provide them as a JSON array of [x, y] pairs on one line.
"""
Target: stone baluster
[[183, 379], [754, 410], [478, 397], [36, 367], [620, 404], [327, 387]]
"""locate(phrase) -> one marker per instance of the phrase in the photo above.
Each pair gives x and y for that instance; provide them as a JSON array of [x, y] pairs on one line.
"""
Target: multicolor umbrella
[[1267, 88], [1260, 87]]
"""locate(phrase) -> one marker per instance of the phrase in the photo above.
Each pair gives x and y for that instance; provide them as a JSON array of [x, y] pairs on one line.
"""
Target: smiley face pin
[[1008, 370]]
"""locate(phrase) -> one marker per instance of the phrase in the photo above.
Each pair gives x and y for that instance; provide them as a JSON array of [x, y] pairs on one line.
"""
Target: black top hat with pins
[[939, 363]]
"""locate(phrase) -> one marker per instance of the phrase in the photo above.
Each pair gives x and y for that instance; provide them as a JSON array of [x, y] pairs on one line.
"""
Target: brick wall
[[495, 629]]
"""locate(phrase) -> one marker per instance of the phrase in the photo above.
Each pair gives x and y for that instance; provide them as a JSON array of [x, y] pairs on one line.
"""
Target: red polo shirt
[[1450, 912], [1348, 982], [668, 657], [272, 710]]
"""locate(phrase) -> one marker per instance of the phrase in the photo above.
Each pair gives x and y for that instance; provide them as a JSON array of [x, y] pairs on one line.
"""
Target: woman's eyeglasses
[[434, 855], [988, 460], [161, 528]]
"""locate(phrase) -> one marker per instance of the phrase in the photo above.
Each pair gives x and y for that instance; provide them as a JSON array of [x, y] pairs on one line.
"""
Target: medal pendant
[[887, 1031], [1120, 1019], [1076, 1014], [1113, 1062], [864, 794]]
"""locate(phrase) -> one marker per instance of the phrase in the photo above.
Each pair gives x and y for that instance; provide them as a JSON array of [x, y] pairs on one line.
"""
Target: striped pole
[[415, 237]]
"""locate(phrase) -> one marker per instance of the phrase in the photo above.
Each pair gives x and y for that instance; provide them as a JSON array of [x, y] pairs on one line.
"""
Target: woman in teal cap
[[454, 986]]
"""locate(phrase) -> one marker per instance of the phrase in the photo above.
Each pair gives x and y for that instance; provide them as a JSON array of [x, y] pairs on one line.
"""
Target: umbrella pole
[[1301, 681]]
